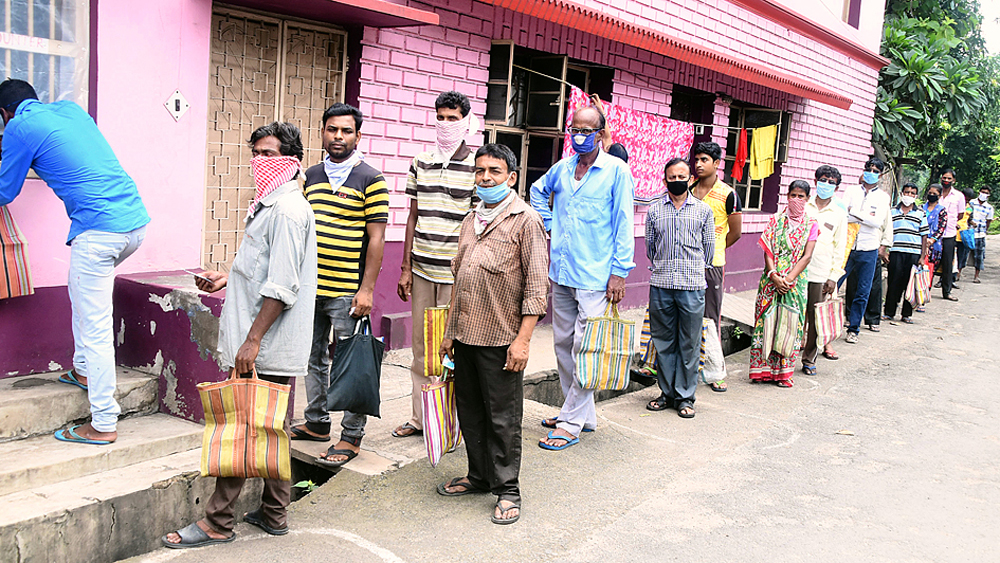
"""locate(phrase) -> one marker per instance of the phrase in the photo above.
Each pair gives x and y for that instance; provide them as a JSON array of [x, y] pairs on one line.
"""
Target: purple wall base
[[36, 333], [744, 264]]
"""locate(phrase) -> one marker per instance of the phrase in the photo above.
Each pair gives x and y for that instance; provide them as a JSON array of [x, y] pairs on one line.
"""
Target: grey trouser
[[570, 309], [675, 321], [331, 313]]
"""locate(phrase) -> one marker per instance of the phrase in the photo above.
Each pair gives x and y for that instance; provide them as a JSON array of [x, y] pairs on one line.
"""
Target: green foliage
[[307, 486]]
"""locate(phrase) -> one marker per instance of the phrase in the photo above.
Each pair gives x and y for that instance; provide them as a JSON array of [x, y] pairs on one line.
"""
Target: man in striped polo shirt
[[909, 248], [440, 184], [727, 213], [351, 203]]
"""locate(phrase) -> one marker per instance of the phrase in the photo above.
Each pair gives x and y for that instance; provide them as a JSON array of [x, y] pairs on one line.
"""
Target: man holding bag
[[501, 285], [909, 249], [269, 305]]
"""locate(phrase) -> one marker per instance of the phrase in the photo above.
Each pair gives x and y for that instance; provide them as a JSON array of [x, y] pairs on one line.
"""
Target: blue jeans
[[332, 313], [862, 261], [979, 254], [93, 258], [675, 319]]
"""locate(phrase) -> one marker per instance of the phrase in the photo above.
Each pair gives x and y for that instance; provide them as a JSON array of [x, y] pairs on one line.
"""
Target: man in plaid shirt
[[501, 285]]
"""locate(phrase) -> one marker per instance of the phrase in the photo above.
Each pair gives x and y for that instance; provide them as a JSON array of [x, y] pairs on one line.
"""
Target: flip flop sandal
[[256, 519], [689, 414], [976, 281], [873, 328], [552, 436], [831, 356], [407, 430], [467, 488], [809, 370], [300, 434], [194, 536], [332, 451], [784, 384], [75, 438], [503, 521], [70, 377], [907, 320], [552, 422], [715, 387], [658, 404]]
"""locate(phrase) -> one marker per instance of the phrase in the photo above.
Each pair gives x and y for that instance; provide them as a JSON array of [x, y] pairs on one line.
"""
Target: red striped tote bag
[[15, 274]]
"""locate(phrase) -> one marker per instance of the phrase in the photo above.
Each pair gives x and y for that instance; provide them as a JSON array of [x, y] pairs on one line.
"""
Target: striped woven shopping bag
[[245, 428], [786, 335], [646, 348], [434, 321], [441, 431], [829, 320], [606, 351], [15, 273]]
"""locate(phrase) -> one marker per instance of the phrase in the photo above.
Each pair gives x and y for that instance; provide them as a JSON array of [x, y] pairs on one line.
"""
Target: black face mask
[[946, 184], [677, 187], [932, 197]]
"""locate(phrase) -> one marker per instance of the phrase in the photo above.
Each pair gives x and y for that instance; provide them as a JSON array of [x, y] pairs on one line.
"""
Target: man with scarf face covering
[[440, 186], [592, 222], [269, 306], [351, 203]]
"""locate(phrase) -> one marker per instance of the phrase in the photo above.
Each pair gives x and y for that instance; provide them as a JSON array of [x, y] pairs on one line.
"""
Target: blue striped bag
[[606, 351]]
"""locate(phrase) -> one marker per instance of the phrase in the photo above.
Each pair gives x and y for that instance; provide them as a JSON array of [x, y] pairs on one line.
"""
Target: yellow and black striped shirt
[[341, 221]]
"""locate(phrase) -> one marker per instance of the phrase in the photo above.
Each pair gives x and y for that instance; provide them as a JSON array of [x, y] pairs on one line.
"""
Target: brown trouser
[[423, 295], [275, 499], [815, 295]]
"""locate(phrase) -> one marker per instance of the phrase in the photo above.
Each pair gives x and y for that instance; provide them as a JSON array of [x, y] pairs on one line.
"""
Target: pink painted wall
[[146, 50]]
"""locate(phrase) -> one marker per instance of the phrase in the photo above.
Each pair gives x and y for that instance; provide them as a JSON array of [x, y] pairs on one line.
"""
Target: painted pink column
[[720, 120]]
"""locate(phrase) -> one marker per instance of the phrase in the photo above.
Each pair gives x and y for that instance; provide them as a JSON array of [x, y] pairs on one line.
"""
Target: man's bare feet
[[172, 537], [558, 437], [339, 458], [87, 431]]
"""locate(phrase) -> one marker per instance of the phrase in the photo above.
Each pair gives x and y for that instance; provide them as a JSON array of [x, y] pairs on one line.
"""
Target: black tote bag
[[356, 370]]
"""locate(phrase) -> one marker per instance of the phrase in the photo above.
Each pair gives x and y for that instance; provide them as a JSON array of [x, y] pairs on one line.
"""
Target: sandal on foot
[[552, 422], [976, 281], [784, 383], [719, 386], [467, 488], [257, 519], [687, 411], [951, 298], [830, 355], [70, 435], [642, 377], [570, 441], [809, 370], [299, 433], [194, 536], [873, 328], [350, 454], [407, 430], [502, 520], [907, 320], [658, 404], [70, 377]]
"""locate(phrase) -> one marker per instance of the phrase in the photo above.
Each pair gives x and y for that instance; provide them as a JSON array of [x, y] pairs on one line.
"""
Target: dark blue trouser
[[675, 319], [862, 261]]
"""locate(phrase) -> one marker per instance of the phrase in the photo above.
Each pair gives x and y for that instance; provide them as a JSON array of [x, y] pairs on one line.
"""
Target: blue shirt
[[62, 143], [680, 243], [591, 222], [909, 230]]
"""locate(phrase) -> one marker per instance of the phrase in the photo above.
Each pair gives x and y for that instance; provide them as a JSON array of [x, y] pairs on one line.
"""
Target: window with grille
[[46, 43]]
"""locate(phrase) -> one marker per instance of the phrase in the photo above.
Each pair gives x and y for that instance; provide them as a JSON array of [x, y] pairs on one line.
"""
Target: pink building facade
[[716, 63]]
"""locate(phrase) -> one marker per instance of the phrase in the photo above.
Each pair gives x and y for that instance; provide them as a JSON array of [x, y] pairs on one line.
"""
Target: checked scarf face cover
[[270, 172]]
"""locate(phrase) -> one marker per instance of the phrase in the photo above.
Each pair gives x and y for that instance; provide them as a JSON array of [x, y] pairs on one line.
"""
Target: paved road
[[890, 454]]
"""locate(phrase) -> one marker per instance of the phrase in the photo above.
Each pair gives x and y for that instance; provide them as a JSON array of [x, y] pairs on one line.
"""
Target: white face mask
[[983, 197], [908, 200]]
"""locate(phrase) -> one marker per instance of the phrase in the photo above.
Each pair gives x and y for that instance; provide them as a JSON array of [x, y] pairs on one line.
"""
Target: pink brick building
[[727, 63]]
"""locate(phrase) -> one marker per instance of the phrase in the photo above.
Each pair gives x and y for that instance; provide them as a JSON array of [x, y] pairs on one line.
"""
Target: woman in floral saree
[[788, 243]]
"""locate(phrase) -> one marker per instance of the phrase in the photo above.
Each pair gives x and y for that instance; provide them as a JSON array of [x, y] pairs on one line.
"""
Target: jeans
[[863, 262], [675, 320], [963, 253], [873, 311], [93, 258], [900, 267], [979, 254], [331, 313]]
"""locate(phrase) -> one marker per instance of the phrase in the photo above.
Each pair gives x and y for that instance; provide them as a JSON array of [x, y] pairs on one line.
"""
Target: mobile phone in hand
[[200, 277]]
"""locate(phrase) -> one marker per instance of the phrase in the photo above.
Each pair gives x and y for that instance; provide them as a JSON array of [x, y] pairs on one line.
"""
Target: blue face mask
[[584, 144], [825, 190], [493, 194], [870, 178]]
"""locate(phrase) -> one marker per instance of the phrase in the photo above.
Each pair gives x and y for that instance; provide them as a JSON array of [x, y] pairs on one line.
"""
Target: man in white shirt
[[870, 208]]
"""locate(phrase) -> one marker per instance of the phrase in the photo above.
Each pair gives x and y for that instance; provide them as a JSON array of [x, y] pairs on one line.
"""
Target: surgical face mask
[[825, 190], [584, 144], [984, 197], [493, 194], [870, 178], [677, 187], [907, 200]]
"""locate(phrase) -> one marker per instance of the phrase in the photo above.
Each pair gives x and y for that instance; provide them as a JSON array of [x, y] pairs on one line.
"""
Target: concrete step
[[43, 460], [38, 404], [111, 515]]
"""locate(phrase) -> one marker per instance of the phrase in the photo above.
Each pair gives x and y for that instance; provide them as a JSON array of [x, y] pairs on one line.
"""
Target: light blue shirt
[[62, 143], [591, 224]]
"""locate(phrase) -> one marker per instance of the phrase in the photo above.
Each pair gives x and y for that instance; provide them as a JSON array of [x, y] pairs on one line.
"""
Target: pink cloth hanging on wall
[[651, 140]]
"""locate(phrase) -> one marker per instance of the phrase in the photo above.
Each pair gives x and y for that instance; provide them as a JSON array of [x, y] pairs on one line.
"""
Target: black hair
[[13, 92], [499, 152], [933, 187], [969, 194], [827, 170], [799, 185], [909, 185], [987, 188], [453, 100], [343, 109], [618, 150], [949, 171], [711, 148], [876, 162], [286, 133], [672, 162]]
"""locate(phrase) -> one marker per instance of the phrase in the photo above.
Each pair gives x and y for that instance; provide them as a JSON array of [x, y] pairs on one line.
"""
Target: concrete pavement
[[889, 454]]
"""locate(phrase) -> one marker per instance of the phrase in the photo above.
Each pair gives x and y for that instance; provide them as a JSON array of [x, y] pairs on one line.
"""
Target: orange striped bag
[[441, 431], [434, 321], [15, 274], [606, 351], [245, 429]]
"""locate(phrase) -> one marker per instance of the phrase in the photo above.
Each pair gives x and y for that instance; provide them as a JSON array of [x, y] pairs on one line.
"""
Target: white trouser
[[93, 257], [570, 309]]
